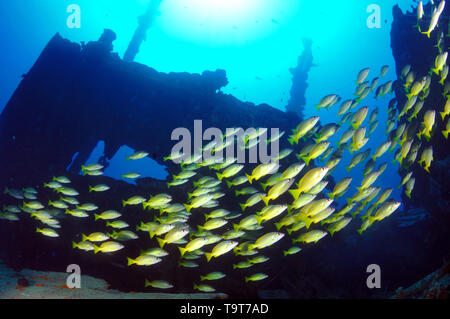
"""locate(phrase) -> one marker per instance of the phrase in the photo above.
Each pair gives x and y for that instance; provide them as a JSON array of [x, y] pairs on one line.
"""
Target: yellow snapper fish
[[356, 159], [84, 245], [311, 236], [417, 108], [345, 106], [199, 201], [314, 208], [384, 211], [137, 155], [144, 260], [266, 240], [108, 215], [326, 132], [277, 190], [91, 167], [77, 213], [303, 128], [316, 218], [262, 170], [47, 232], [131, 175], [447, 129], [417, 87], [108, 247], [161, 230], [292, 171], [405, 150], [194, 244], [230, 171], [212, 224], [339, 225], [135, 200], [237, 181], [172, 236], [362, 75], [384, 70], [446, 109], [381, 150], [359, 196], [315, 152], [426, 158], [213, 276], [301, 201], [427, 124], [221, 248], [434, 21], [309, 180], [346, 136], [340, 188], [256, 277], [360, 116], [444, 74], [441, 59], [325, 101], [253, 200], [161, 284], [409, 187], [270, 212], [358, 140]]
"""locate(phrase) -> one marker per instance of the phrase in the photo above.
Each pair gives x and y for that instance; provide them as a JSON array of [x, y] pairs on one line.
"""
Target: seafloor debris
[[434, 286]]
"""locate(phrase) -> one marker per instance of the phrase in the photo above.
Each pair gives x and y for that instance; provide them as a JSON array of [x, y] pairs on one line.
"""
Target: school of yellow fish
[[306, 218]]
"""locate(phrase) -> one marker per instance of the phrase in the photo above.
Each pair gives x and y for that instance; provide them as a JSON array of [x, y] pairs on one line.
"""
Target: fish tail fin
[[96, 217], [265, 199], [96, 249], [259, 220], [229, 184], [130, 261], [188, 207], [236, 227], [74, 245], [242, 206], [83, 237], [208, 256], [250, 178], [306, 159], [348, 168], [442, 115], [263, 186], [278, 225], [124, 203], [359, 189], [360, 231], [151, 234], [409, 96], [331, 195], [427, 168], [182, 251], [445, 133], [289, 231], [285, 253], [219, 176], [161, 242], [295, 193], [147, 283]]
